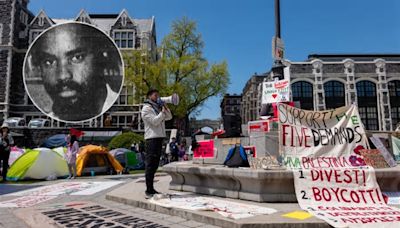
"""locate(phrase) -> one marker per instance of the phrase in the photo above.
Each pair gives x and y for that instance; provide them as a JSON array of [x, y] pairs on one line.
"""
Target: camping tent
[[96, 159], [61, 151], [125, 157], [38, 163], [55, 141], [15, 154]]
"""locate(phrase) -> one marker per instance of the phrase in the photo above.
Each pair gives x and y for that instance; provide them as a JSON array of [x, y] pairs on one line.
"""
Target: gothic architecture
[[19, 27]]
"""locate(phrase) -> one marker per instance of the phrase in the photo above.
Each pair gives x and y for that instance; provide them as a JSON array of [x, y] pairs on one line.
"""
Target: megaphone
[[173, 99]]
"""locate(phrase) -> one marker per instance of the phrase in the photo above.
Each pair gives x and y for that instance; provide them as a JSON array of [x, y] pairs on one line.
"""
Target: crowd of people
[[178, 151]]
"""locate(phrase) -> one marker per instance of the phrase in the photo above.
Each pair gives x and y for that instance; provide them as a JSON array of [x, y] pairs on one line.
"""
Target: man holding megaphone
[[154, 114]]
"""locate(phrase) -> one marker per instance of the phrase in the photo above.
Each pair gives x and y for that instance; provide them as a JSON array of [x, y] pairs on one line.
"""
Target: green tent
[[125, 157], [39, 163]]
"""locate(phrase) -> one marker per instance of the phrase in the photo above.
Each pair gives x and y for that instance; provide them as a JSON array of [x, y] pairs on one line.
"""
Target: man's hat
[[5, 125]]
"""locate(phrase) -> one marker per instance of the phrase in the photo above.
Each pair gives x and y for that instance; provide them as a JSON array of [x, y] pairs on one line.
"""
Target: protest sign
[[82, 214], [71, 188], [267, 162], [374, 158], [277, 91], [383, 150], [324, 136], [258, 126], [396, 148], [225, 208], [205, 149], [26, 201], [344, 197]]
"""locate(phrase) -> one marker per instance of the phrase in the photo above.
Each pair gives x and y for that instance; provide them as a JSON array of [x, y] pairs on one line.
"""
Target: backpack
[[237, 157]]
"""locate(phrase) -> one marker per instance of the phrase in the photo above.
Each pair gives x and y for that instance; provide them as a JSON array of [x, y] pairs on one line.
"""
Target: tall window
[[1, 33], [124, 39], [334, 94], [367, 104], [303, 92], [122, 120], [126, 96], [394, 93], [34, 34]]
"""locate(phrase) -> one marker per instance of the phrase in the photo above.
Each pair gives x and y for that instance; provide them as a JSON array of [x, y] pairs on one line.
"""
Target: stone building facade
[[19, 27], [230, 114], [372, 82], [251, 102]]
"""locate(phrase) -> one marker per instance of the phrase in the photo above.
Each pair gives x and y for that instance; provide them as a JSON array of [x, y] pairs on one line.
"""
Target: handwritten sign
[[277, 91], [258, 126], [205, 149], [26, 201], [344, 197], [268, 162], [311, 134], [374, 158], [82, 214]]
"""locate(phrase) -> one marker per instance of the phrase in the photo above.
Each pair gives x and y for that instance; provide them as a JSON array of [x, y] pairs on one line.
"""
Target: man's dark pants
[[4, 156], [152, 160]]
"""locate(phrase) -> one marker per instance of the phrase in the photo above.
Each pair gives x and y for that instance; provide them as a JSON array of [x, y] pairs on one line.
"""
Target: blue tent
[[55, 141]]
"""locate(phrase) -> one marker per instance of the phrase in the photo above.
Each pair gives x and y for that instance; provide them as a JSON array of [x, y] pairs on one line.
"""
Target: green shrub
[[125, 140]]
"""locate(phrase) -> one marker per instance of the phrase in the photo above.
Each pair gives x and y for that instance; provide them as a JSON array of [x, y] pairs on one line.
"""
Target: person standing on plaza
[[72, 151], [154, 115], [6, 142], [173, 147], [182, 151]]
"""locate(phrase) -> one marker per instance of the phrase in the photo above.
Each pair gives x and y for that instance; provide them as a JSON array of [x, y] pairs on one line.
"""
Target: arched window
[[367, 104], [303, 92], [394, 93], [334, 94]]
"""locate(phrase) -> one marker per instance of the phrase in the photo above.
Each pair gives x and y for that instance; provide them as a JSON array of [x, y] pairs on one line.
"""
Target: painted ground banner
[[70, 188], [320, 136], [344, 197], [26, 201], [225, 208]]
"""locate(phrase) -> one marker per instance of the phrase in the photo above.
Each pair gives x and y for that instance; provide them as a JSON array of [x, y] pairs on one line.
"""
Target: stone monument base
[[251, 184]]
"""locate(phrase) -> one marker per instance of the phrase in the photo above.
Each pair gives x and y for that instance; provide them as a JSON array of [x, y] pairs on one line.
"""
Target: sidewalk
[[132, 194]]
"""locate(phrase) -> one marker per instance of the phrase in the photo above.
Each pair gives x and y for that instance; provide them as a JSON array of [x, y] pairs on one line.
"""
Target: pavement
[[132, 194], [29, 217]]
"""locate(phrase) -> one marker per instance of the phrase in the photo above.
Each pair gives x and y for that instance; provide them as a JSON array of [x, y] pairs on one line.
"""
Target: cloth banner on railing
[[325, 135], [344, 197]]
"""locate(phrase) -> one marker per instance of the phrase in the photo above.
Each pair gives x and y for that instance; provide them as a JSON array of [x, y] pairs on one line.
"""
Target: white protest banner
[[379, 145], [26, 201], [344, 197], [71, 188], [396, 148], [319, 138], [277, 91], [225, 208]]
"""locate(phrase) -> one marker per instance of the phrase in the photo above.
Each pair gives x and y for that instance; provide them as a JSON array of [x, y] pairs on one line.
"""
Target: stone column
[[319, 94], [385, 120], [351, 91]]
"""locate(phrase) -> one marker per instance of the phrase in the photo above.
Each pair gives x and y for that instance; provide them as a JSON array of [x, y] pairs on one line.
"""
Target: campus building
[[372, 82], [19, 28], [230, 114], [251, 101]]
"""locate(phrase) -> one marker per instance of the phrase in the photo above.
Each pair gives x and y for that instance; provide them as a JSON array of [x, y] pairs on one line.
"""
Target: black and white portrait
[[73, 72]]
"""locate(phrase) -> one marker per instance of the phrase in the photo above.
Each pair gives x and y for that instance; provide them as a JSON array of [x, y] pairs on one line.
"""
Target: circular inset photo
[[73, 72]]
